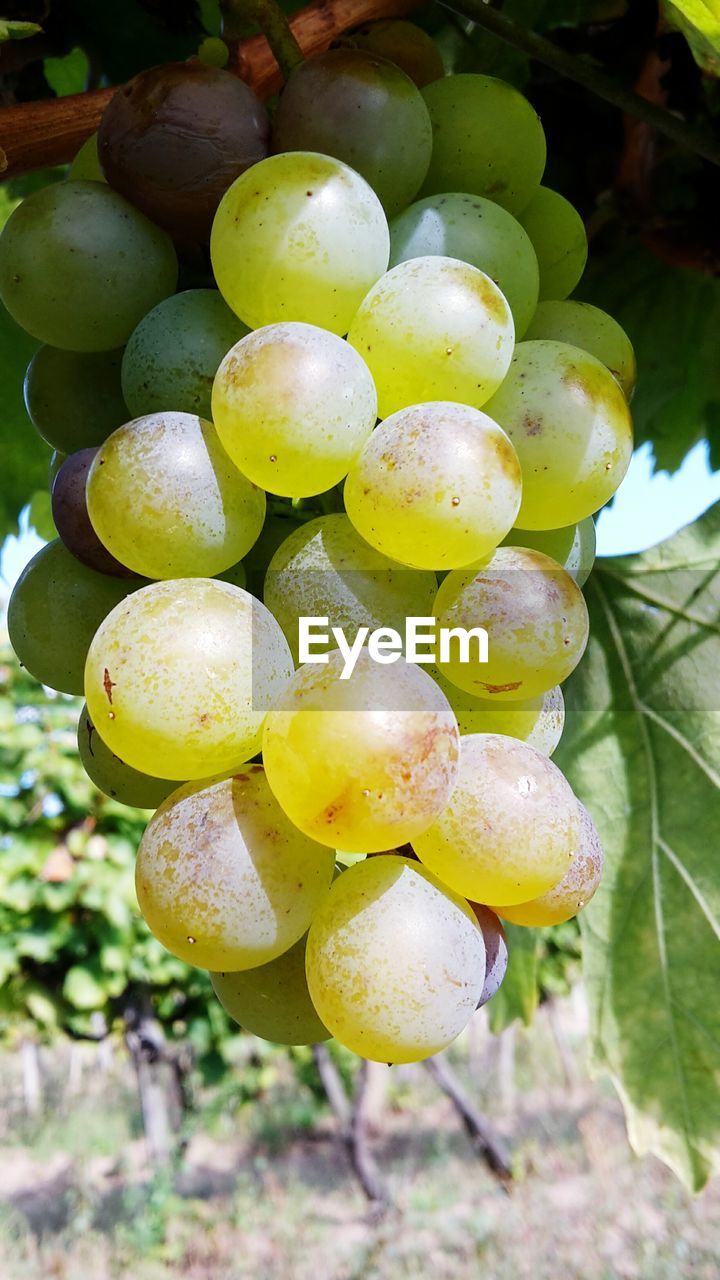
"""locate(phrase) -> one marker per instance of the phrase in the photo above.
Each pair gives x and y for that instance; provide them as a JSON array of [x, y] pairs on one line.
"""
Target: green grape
[[273, 1001], [173, 355], [364, 763], [434, 329], [325, 569], [558, 236], [300, 237], [213, 52], [565, 899], [178, 679], [477, 231], [395, 961], [361, 109], [496, 951], [535, 616], [80, 267], [538, 721], [573, 547], [223, 879], [511, 828], [111, 775], [56, 606], [74, 399], [571, 426], [293, 406], [86, 166], [166, 500], [56, 462], [591, 329], [408, 46], [487, 139], [437, 486]]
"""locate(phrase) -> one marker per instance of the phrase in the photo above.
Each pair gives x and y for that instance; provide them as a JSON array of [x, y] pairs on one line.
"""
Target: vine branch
[[587, 74]]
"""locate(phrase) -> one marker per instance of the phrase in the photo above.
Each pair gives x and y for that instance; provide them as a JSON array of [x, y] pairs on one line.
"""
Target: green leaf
[[642, 749], [82, 989], [25, 457], [17, 30], [699, 21], [518, 995], [677, 401], [68, 74]]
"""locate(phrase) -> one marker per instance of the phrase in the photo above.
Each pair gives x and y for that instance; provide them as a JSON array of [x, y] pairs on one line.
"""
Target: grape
[[437, 486], [361, 764], [70, 514], [591, 329], [74, 399], [86, 165], [79, 266], [111, 775], [325, 569], [223, 879], [434, 329], [565, 899], [273, 1001], [214, 52], [165, 499], [558, 236], [538, 721], [179, 678], [173, 355], [300, 237], [496, 951], [571, 426], [395, 961], [511, 828], [274, 532], [478, 232], [175, 138], [408, 46], [362, 109], [573, 547], [487, 140], [293, 406], [55, 608], [535, 616]]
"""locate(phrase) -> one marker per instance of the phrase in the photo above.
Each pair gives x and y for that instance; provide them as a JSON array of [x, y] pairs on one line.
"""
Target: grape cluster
[[337, 849]]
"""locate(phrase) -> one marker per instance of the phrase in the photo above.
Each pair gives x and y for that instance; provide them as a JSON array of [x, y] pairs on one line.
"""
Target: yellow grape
[[436, 486], [565, 899], [165, 499], [273, 1001], [571, 426], [511, 827], [299, 236], [539, 721], [361, 764], [535, 617], [325, 569], [395, 961], [293, 406], [179, 677], [434, 328], [223, 878]]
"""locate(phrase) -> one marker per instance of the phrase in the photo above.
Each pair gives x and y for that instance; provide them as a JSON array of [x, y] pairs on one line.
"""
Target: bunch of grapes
[[337, 848]]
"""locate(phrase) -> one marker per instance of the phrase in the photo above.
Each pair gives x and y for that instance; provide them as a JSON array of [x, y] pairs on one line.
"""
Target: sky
[[648, 509]]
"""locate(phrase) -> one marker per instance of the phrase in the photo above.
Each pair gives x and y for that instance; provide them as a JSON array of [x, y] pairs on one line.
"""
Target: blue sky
[[647, 509]]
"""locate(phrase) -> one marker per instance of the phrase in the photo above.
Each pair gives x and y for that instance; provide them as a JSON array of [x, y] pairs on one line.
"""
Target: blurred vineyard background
[[141, 1133]]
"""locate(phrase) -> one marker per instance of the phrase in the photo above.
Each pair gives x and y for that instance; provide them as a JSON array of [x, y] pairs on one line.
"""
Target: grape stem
[[587, 74], [271, 20]]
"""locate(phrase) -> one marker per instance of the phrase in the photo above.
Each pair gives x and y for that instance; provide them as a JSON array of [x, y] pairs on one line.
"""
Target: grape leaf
[[677, 401], [699, 21], [17, 30], [518, 995], [642, 749], [67, 74]]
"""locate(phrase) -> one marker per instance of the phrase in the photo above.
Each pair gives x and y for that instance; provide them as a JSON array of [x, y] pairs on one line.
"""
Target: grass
[[264, 1190]]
